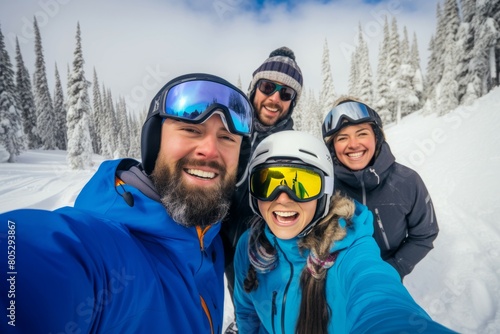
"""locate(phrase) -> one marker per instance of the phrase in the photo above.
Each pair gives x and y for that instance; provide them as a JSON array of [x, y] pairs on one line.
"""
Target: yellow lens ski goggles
[[301, 183]]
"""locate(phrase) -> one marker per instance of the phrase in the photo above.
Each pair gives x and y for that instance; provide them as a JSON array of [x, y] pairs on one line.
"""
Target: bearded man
[[140, 250]]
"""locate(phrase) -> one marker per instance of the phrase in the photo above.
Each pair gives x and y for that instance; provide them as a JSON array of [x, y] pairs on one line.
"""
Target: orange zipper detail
[[118, 181], [207, 312], [201, 234]]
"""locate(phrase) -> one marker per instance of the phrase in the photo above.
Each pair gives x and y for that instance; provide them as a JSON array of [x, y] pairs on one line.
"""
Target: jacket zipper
[[363, 192], [273, 310], [207, 313], [201, 235], [381, 226], [283, 304]]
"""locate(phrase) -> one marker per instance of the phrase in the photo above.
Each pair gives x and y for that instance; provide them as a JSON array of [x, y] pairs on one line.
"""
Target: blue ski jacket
[[104, 266], [364, 293]]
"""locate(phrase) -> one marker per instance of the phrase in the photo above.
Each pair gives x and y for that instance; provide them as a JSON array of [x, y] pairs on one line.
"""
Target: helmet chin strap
[[307, 230], [320, 209]]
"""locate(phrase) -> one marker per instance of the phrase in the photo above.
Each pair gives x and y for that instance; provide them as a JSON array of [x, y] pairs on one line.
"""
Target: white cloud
[[136, 47]]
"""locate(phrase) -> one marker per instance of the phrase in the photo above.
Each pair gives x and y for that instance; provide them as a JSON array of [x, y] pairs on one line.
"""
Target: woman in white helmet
[[309, 264]]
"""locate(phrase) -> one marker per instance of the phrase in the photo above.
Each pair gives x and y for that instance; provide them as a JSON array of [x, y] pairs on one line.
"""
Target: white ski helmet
[[301, 148]]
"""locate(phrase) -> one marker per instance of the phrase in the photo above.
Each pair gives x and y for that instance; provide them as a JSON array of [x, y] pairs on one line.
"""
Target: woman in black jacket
[[366, 170]]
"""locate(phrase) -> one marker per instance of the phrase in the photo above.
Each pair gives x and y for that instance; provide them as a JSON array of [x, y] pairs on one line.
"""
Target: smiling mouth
[[285, 216], [356, 155], [273, 110], [201, 174]]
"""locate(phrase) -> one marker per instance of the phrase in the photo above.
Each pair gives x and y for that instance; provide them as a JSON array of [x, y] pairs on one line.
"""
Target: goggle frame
[[352, 111], [326, 182], [208, 97]]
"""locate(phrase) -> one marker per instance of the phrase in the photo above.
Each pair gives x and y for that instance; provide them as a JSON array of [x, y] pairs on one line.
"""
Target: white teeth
[[200, 173], [272, 109], [355, 155], [285, 213]]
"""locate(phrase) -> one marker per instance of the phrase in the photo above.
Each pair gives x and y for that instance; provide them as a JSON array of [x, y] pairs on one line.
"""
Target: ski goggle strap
[[354, 112], [195, 101], [301, 183]]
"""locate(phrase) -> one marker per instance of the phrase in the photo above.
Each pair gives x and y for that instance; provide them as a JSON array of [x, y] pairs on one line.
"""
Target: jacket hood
[[102, 196], [370, 176]]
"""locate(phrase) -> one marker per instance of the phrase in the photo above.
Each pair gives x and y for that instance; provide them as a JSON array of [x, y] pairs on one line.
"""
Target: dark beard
[[193, 206]]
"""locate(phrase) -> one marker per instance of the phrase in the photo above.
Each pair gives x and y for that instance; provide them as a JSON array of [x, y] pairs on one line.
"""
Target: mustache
[[273, 106], [200, 163]]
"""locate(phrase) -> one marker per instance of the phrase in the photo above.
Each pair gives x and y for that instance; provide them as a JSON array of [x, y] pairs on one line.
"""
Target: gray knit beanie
[[280, 67]]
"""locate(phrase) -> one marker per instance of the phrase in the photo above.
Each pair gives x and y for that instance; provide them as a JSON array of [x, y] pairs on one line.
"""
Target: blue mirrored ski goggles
[[195, 101], [353, 112]]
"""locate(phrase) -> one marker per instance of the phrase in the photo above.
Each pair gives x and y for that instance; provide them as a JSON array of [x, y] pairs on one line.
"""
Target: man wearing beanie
[[275, 88], [273, 110]]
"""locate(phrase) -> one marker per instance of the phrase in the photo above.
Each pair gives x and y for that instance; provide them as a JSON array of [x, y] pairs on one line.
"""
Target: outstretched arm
[[377, 301], [52, 289]]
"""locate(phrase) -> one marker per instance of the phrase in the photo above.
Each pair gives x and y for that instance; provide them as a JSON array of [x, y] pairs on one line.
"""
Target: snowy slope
[[458, 283], [41, 179]]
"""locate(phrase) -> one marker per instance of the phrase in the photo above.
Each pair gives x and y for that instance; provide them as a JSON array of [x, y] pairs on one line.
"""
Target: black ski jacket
[[404, 220]]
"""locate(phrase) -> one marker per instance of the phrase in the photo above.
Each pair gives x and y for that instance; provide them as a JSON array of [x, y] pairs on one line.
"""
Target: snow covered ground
[[458, 283]]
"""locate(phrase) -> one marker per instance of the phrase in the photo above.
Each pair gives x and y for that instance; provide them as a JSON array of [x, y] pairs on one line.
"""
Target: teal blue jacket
[[364, 293]]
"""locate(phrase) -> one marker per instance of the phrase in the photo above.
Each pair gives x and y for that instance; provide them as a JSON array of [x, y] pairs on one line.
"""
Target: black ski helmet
[[151, 130]]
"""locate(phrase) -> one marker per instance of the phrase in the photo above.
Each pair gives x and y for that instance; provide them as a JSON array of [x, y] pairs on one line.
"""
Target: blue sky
[[291, 4], [137, 46]]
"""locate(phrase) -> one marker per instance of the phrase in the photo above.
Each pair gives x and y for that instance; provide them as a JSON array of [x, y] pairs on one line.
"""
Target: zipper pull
[[379, 221], [274, 309], [381, 226]]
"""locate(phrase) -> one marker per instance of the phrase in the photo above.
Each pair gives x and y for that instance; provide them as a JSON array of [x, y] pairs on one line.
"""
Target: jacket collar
[[147, 216], [370, 176]]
